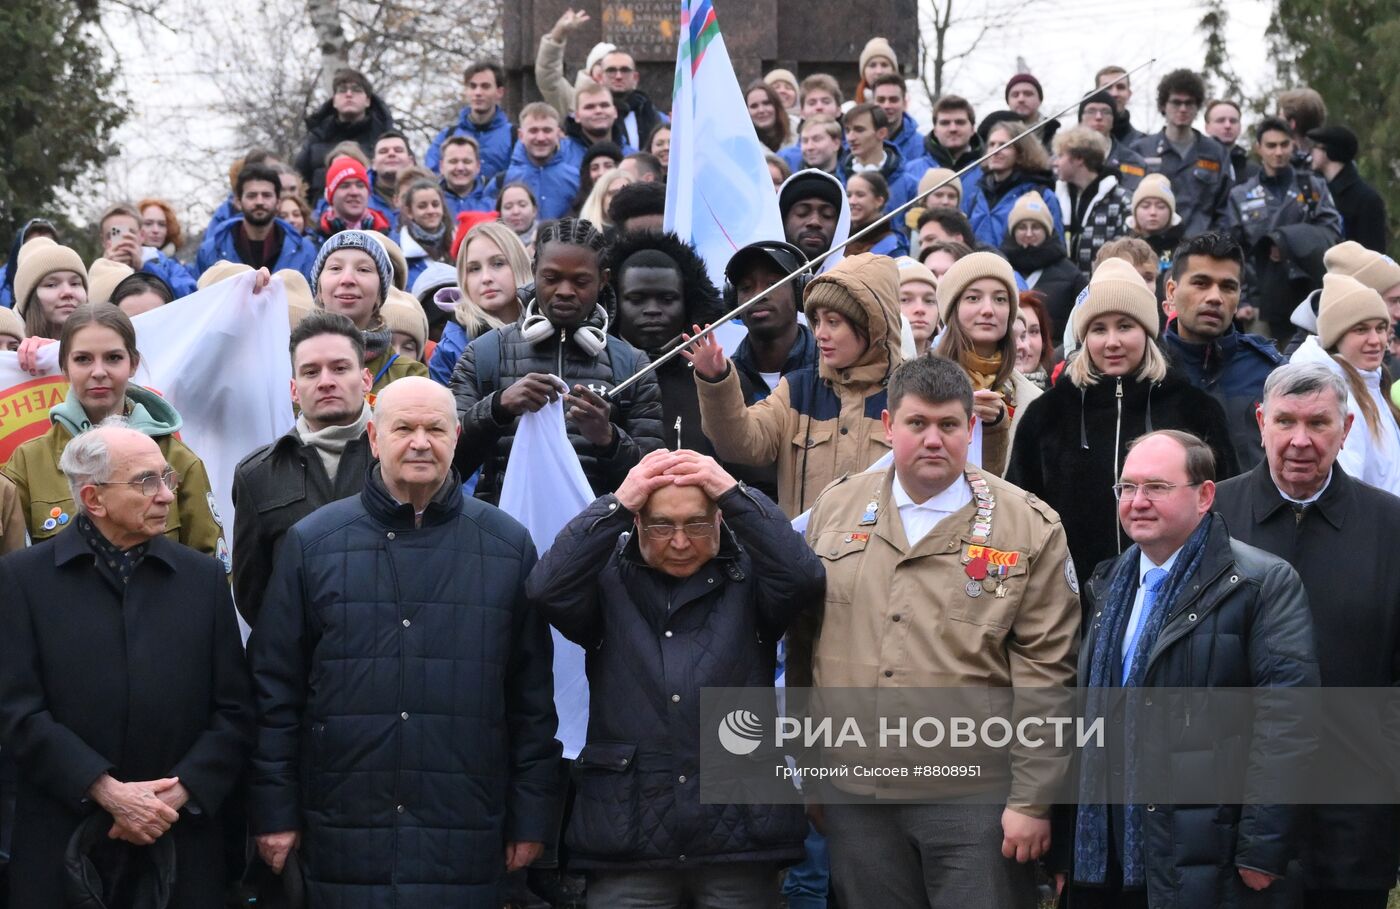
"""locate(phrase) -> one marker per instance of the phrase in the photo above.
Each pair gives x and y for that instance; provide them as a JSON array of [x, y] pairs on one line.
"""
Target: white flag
[[219, 356], [543, 488], [719, 194]]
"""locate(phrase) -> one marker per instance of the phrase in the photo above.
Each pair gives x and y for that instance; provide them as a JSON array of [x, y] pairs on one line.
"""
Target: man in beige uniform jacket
[[939, 576]]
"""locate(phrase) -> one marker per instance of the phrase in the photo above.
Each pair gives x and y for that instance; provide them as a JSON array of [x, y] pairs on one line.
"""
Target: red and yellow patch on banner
[[24, 411]]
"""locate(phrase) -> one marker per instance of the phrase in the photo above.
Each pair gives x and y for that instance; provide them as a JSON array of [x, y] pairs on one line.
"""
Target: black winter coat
[[1245, 624], [324, 131], [1071, 442], [405, 701], [1357, 626], [650, 638], [1060, 280], [143, 684], [273, 488], [1361, 207], [488, 430]]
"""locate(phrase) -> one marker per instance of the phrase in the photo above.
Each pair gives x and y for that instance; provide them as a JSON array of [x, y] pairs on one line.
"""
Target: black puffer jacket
[[1244, 624], [649, 639], [488, 430], [324, 131], [1071, 442], [405, 701], [1060, 280]]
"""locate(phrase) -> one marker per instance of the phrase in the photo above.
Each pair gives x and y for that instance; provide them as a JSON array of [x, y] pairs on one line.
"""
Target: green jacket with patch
[[48, 505]]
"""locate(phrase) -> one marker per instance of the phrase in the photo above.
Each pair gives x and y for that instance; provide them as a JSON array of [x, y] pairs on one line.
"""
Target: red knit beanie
[[343, 169]]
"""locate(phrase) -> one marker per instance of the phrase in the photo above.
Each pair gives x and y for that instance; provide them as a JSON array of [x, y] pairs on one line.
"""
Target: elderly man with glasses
[[682, 580], [124, 698], [1186, 606]]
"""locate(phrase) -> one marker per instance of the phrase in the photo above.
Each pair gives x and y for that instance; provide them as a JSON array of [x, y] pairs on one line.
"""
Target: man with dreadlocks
[[559, 346]]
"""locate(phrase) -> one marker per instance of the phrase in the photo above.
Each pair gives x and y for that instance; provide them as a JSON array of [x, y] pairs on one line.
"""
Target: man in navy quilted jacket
[[405, 686], [684, 579]]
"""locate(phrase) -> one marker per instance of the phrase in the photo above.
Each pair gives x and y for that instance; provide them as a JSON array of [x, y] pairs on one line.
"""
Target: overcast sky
[[1062, 41]]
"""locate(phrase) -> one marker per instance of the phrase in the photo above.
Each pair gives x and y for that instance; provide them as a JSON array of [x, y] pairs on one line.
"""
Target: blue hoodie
[[173, 273], [482, 197], [495, 140], [297, 251], [910, 141], [554, 183], [902, 186]]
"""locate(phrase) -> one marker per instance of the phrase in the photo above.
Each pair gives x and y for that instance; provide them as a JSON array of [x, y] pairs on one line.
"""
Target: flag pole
[[812, 265]]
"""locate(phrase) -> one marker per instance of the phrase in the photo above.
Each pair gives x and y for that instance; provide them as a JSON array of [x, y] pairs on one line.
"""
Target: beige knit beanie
[[38, 259], [300, 303], [913, 270], [11, 324], [1345, 302], [1156, 186], [220, 271], [1376, 270], [936, 175], [103, 278], [402, 312], [1031, 207], [878, 47], [1116, 287], [968, 270]]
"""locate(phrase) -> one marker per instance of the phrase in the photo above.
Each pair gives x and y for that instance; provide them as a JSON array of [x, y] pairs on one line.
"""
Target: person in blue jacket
[[866, 129], [35, 227], [120, 231], [481, 120], [539, 162], [257, 238], [1010, 173], [491, 266], [889, 93], [463, 186]]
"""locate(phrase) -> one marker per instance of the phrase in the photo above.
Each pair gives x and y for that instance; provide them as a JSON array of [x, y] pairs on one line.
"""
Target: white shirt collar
[[1310, 499], [953, 497], [1145, 565]]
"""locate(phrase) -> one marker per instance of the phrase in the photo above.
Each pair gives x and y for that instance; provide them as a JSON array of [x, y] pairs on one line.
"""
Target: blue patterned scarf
[[1091, 846]]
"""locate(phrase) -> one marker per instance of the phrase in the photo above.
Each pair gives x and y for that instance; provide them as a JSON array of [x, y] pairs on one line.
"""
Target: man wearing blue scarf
[[1187, 607]]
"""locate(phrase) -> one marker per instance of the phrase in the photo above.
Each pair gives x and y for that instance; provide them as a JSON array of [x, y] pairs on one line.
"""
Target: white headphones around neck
[[536, 327]]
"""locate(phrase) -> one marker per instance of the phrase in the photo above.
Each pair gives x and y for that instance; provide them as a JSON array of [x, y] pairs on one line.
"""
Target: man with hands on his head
[[691, 578]]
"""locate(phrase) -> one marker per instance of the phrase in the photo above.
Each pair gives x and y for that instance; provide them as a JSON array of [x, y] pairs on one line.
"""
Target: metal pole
[[812, 265]]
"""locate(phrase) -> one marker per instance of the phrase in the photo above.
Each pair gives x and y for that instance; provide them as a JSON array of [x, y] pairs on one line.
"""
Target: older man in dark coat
[[1337, 532], [695, 596], [405, 688], [122, 684]]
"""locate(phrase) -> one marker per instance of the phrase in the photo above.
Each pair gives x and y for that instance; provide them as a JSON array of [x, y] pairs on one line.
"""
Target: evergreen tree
[[57, 103]]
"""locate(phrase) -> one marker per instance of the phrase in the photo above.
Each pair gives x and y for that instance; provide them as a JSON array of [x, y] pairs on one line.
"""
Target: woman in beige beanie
[[1353, 328], [977, 305], [1071, 444], [50, 283]]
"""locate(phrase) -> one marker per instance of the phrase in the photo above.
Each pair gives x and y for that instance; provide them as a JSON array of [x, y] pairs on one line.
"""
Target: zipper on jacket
[[1117, 441], [563, 336]]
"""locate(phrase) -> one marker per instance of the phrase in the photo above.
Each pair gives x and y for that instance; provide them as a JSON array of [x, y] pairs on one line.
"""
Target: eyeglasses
[[1154, 491], [150, 486], [618, 71], [698, 530]]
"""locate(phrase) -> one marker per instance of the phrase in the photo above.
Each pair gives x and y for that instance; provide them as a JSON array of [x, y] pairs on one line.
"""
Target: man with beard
[[636, 112], [815, 213], [257, 237]]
